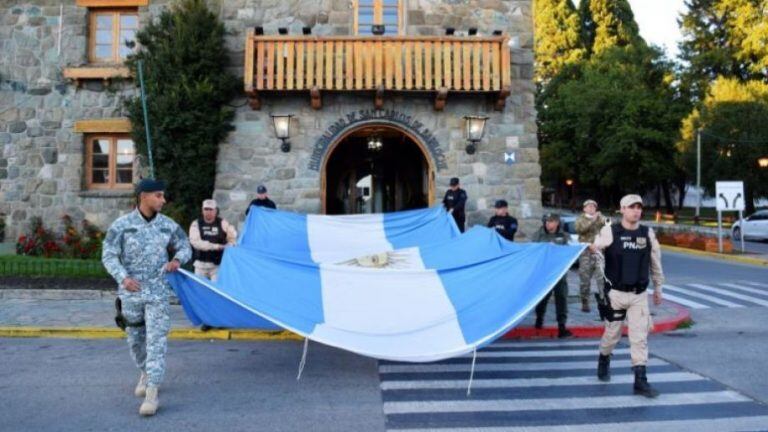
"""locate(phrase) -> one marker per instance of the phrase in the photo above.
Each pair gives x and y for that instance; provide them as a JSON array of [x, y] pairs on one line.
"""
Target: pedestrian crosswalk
[[551, 386], [708, 295]]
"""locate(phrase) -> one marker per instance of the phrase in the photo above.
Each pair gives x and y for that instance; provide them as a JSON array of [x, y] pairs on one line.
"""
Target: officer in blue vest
[[135, 253]]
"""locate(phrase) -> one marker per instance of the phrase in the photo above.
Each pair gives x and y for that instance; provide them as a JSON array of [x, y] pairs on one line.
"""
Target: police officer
[[454, 201], [632, 260], [551, 232], [209, 235], [504, 224], [135, 253], [261, 200], [588, 225]]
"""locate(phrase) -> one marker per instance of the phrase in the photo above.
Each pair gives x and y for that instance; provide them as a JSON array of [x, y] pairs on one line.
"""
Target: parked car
[[754, 226]]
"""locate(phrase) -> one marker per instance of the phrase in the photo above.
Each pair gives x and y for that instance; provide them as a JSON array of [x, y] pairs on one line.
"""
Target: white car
[[754, 226]]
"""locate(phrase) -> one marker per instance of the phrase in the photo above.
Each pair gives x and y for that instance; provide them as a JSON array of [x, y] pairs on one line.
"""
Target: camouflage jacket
[[587, 228], [138, 249]]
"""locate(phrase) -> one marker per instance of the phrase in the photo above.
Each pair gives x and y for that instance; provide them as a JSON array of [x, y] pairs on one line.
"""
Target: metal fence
[[41, 267]]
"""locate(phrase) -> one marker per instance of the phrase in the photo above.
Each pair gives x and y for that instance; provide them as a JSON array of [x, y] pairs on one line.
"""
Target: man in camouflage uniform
[[588, 225], [135, 253]]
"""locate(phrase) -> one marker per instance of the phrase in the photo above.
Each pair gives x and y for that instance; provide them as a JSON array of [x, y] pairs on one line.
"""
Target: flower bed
[[693, 240]]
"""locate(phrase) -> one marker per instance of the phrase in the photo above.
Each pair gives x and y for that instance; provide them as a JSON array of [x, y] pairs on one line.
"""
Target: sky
[[658, 22]]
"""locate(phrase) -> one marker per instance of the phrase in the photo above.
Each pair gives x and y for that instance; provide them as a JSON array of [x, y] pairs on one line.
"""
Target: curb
[[527, 332], [116, 333], [596, 331], [715, 255]]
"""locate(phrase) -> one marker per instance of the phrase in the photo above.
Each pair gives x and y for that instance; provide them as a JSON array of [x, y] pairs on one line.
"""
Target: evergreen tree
[[607, 23], [557, 37], [187, 88], [723, 38]]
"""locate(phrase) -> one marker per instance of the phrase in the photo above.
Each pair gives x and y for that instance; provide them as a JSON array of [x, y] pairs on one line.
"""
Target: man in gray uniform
[[135, 253]]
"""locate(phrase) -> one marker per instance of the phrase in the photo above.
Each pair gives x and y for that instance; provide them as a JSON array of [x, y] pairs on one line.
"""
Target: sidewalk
[[90, 314]]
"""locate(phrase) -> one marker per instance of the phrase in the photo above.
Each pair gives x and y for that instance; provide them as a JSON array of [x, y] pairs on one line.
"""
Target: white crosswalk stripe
[[716, 295], [730, 293], [682, 301], [551, 386], [702, 296]]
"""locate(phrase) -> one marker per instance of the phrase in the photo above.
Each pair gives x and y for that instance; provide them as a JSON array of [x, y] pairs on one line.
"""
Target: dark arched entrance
[[362, 176]]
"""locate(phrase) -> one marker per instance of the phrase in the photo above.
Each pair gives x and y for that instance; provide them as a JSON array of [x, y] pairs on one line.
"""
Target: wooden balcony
[[440, 65]]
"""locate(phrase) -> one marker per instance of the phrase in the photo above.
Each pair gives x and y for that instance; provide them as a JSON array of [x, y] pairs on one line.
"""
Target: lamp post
[[569, 183], [698, 173], [474, 129], [282, 125]]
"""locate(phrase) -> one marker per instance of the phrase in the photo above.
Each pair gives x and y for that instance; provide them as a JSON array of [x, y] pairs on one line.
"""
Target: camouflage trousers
[[148, 343], [589, 268]]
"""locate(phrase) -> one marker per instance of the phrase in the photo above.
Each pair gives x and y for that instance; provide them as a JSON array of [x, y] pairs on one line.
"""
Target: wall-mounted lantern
[[475, 129], [282, 125]]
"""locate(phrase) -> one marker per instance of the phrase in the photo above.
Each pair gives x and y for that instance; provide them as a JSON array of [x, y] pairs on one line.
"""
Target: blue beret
[[150, 185]]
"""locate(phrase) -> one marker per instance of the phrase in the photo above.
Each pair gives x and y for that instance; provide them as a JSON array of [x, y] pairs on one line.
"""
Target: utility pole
[[698, 171]]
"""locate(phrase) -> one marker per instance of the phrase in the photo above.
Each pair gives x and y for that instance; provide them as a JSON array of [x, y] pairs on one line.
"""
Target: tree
[[611, 122], [748, 28], [608, 23], [557, 40], [712, 40], [187, 89], [734, 135]]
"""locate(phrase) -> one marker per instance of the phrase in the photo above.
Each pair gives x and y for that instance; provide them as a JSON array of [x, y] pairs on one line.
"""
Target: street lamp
[[282, 125], [763, 162], [374, 143], [475, 128]]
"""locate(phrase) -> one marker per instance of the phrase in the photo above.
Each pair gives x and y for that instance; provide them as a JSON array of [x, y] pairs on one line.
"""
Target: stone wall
[[41, 165], [251, 156]]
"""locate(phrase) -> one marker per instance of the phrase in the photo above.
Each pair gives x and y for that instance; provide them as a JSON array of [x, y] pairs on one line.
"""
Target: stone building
[[378, 121]]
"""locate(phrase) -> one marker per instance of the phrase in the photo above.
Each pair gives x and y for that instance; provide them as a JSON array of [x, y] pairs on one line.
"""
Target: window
[[109, 161], [370, 12], [109, 30]]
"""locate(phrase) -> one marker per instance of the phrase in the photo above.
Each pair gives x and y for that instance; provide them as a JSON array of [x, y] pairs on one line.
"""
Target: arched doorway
[[376, 168]]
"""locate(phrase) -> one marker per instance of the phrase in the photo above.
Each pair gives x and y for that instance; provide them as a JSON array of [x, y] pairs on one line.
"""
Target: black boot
[[641, 383], [563, 332], [539, 322], [604, 368]]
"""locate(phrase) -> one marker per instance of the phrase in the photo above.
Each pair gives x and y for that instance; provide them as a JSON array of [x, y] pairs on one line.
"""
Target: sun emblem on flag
[[379, 260]]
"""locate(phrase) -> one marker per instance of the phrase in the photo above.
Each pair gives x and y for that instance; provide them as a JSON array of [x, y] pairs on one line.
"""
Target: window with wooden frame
[[388, 13], [109, 161], [109, 31]]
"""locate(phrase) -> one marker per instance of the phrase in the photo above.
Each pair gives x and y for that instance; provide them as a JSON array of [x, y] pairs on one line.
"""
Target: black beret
[[501, 204], [150, 185]]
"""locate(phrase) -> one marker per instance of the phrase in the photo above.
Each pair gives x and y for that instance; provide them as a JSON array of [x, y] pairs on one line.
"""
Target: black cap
[[150, 185], [454, 181], [501, 204], [261, 189]]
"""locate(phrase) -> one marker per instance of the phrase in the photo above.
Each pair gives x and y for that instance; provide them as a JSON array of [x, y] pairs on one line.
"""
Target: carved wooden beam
[[502, 100], [442, 95], [378, 100], [316, 101], [253, 100]]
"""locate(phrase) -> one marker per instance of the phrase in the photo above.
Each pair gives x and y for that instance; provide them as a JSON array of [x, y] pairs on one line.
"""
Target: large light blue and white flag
[[403, 286]]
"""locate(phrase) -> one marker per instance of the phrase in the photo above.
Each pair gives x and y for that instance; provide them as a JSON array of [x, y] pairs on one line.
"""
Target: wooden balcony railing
[[379, 64]]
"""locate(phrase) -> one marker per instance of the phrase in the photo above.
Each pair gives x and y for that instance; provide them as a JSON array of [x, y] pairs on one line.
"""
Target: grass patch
[[26, 266], [687, 324]]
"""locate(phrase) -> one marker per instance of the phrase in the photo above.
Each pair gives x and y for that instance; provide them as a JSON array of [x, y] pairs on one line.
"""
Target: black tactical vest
[[628, 259], [212, 232]]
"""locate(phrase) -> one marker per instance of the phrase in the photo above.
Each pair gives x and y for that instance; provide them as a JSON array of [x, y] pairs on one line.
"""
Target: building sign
[[371, 116]]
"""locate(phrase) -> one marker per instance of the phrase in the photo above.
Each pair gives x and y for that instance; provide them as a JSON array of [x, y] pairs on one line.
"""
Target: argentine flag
[[403, 286]]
